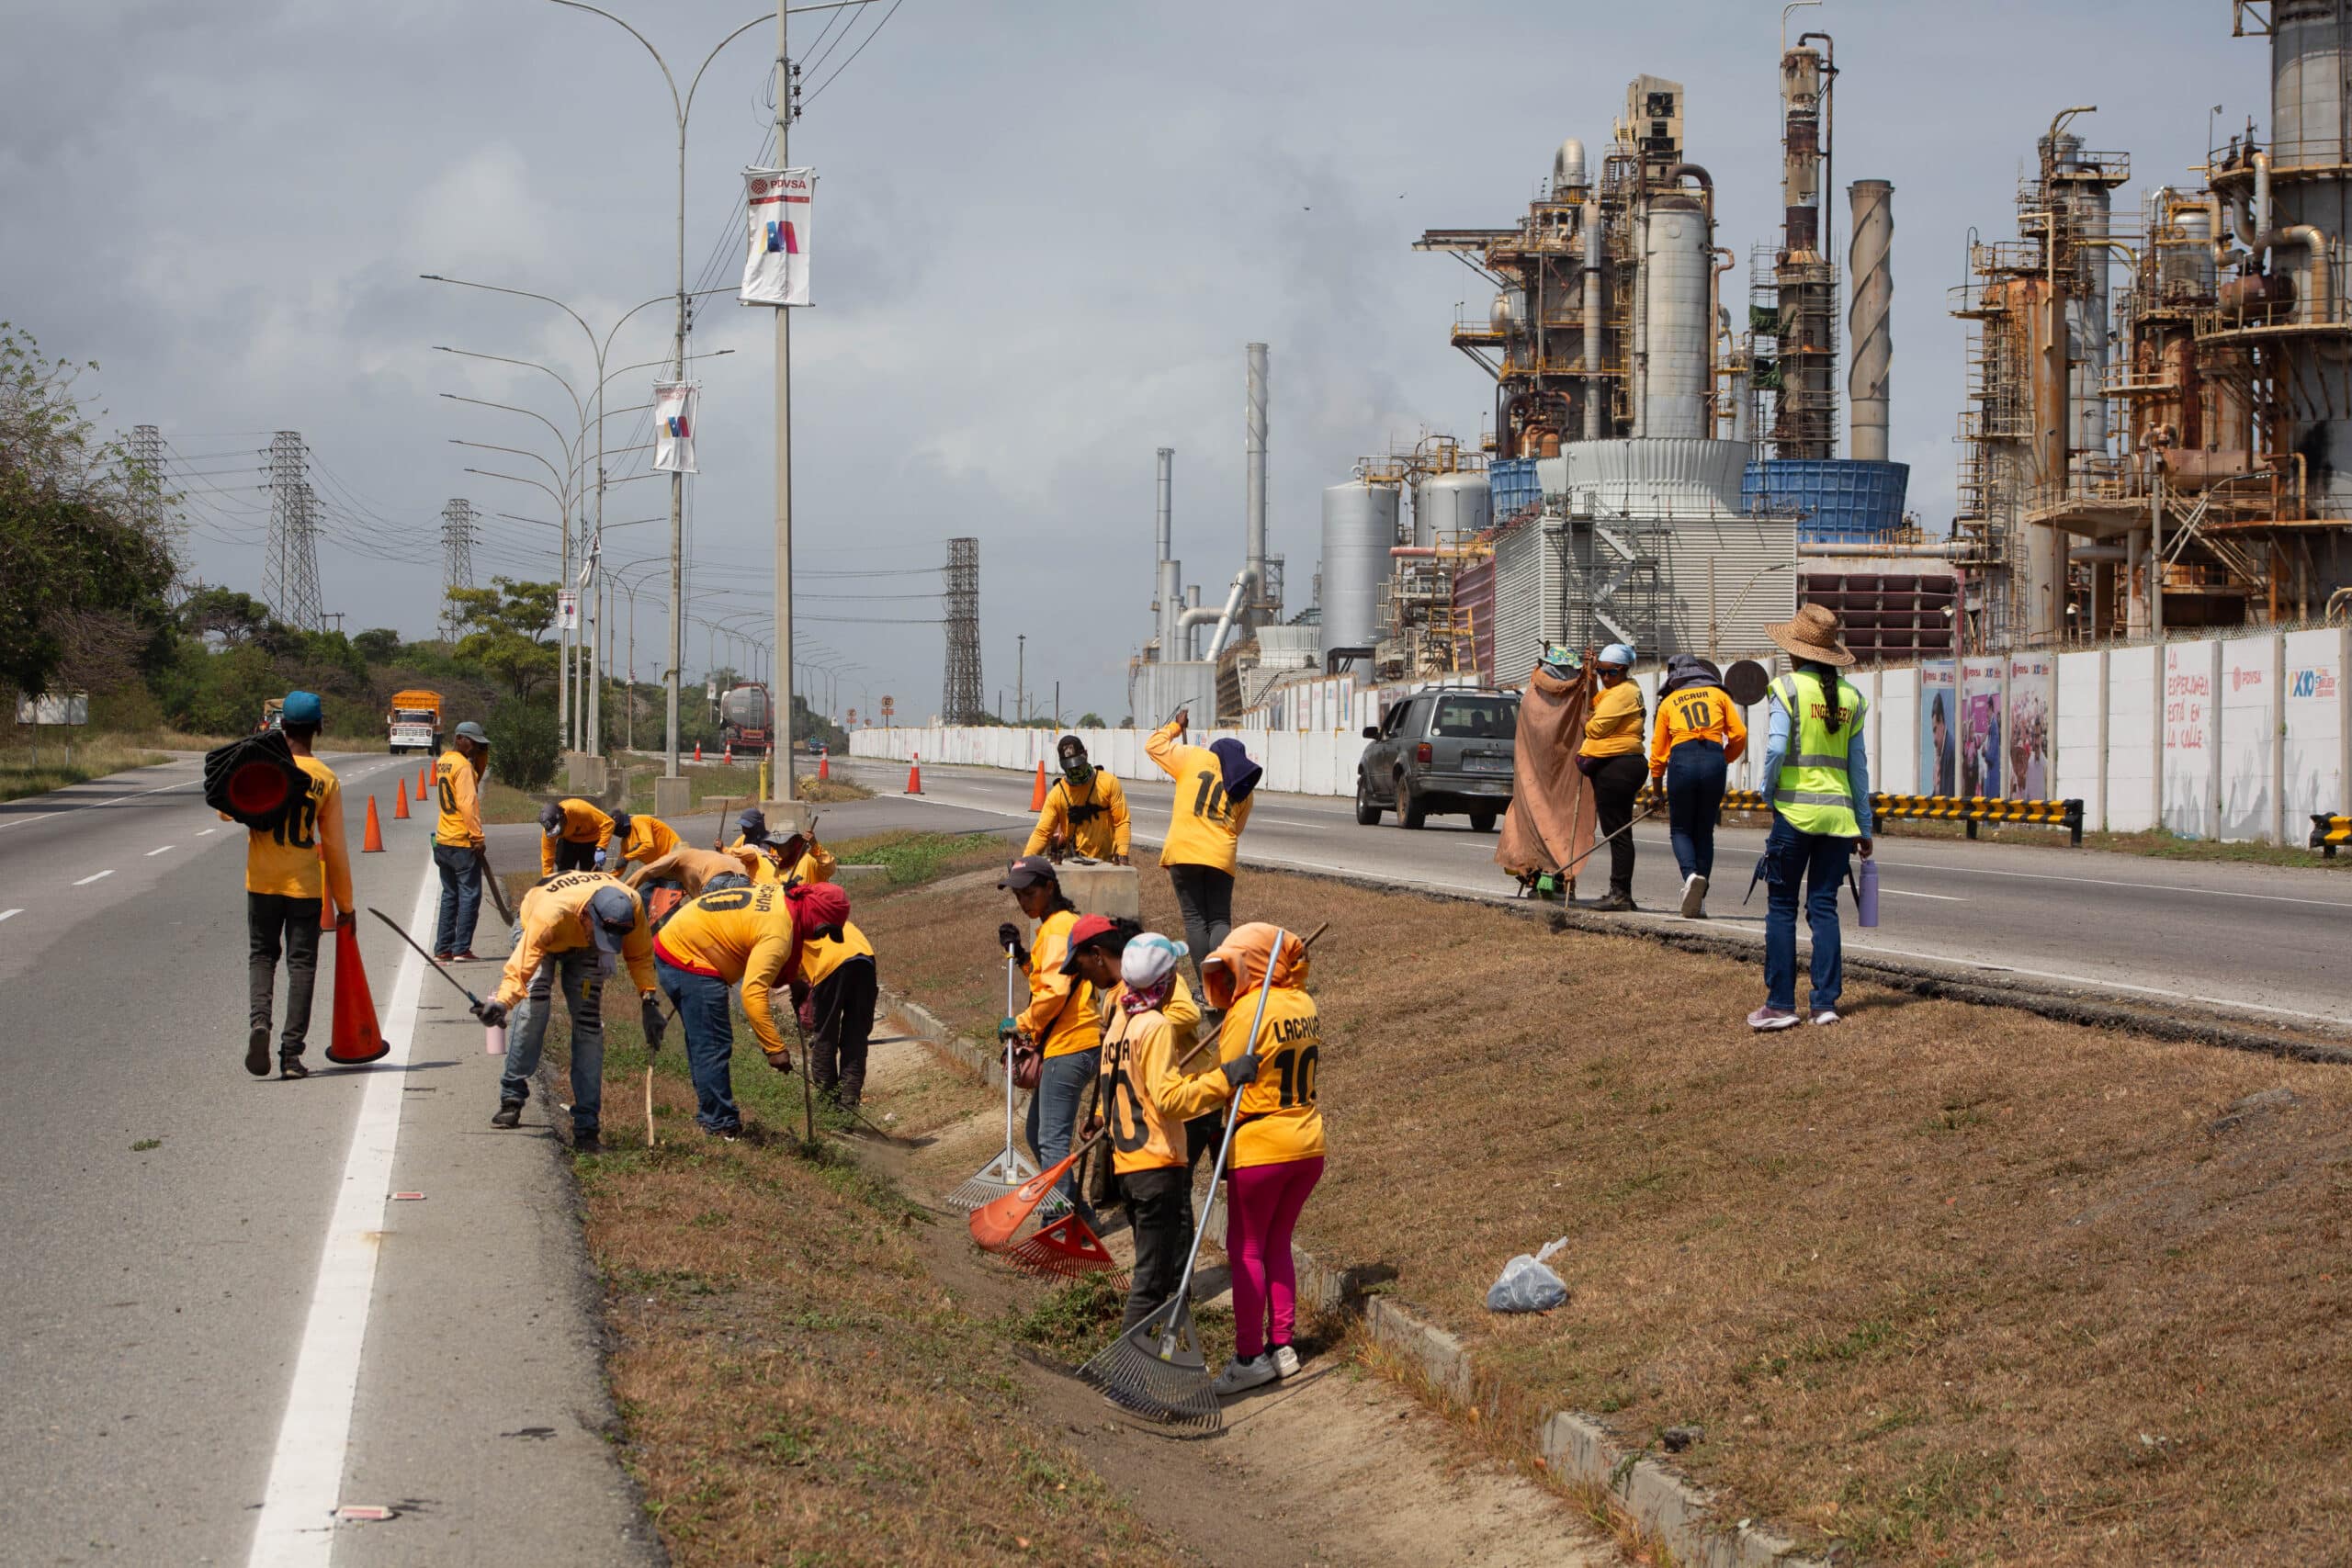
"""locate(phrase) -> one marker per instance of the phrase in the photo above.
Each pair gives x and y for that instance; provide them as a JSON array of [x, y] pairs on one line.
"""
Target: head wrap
[[1148, 969], [814, 905], [1241, 772]]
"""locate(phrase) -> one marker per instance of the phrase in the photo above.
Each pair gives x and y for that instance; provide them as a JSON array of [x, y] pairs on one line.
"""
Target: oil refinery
[[2149, 436]]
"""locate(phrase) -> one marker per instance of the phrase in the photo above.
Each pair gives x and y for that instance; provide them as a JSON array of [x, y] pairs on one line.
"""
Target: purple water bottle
[[1866, 897]]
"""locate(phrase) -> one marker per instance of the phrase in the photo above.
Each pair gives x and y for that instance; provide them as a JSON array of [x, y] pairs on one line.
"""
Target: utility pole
[[1021, 679], [786, 93]]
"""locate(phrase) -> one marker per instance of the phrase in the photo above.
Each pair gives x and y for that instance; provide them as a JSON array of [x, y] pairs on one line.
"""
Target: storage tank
[[1675, 267], [1450, 508], [1359, 529]]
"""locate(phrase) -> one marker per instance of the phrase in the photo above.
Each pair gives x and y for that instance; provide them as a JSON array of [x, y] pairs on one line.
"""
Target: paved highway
[[213, 1342], [2271, 941]]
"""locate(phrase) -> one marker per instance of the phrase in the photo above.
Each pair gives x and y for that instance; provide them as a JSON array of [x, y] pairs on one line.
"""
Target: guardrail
[[1969, 810], [2329, 833]]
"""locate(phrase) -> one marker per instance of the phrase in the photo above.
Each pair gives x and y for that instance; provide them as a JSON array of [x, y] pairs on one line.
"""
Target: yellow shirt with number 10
[[304, 854], [1204, 828]]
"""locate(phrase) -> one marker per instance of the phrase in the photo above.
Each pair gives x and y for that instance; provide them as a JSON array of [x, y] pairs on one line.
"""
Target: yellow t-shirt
[[1615, 726], [461, 795], [1061, 1015], [817, 866], [1093, 821], [1144, 1093], [304, 855], [582, 823], [1204, 828], [1697, 713], [650, 837], [735, 934], [819, 958], [552, 921], [1279, 1119]]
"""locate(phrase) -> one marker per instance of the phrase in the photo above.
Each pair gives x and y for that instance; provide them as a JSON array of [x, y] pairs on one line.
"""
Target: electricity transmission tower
[[290, 564], [146, 452], [962, 703], [457, 559]]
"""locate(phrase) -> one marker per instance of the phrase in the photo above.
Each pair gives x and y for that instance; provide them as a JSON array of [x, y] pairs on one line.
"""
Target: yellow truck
[[415, 722]]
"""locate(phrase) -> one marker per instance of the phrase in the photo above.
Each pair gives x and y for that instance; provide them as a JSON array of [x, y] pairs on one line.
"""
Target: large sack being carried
[[1552, 818], [254, 780]]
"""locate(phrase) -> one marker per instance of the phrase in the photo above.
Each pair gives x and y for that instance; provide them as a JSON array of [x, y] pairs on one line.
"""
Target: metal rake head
[[995, 1179], [1065, 1249], [1155, 1370]]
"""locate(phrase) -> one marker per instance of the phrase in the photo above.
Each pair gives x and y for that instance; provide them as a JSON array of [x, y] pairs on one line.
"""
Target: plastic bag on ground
[[1527, 1285]]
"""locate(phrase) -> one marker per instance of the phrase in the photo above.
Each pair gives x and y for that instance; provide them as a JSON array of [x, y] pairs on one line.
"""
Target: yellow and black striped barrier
[[1969, 810], [2329, 833]]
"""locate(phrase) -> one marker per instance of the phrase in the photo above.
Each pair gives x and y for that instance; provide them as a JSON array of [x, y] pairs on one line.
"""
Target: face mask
[[826, 933], [1077, 770]]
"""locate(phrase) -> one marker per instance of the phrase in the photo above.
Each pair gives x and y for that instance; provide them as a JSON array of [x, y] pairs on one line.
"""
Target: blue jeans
[[1818, 861], [1053, 1115], [583, 995], [460, 897], [1694, 799], [706, 1015]]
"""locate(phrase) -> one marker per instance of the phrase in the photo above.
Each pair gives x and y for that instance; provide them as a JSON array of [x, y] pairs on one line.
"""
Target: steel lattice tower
[[456, 558], [290, 561], [962, 703], [146, 453]]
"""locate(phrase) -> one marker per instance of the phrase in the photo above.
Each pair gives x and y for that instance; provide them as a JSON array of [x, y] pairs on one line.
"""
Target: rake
[[1010, 1169], [1155, 1370]]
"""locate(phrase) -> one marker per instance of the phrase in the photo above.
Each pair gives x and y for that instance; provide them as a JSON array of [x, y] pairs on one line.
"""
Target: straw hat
[[1814, 635]]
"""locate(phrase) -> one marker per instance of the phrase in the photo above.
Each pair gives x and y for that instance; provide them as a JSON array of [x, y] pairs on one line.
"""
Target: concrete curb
[[1575, 1447]]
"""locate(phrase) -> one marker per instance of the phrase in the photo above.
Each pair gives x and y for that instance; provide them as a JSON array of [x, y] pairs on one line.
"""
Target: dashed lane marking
[[93, 878], [6, 914], [150, 854]]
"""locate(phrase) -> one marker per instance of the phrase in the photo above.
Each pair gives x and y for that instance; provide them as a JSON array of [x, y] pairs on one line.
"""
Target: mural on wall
[[2032, 676], [1938, 727], [1980, 769]]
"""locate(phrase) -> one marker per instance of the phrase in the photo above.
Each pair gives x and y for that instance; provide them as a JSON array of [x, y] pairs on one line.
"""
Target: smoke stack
[[1867, 319], [1168, 572], [1253, 522]]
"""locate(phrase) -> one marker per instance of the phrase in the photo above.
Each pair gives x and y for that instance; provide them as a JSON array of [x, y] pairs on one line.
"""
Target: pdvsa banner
[[778, 201], [677, 408]]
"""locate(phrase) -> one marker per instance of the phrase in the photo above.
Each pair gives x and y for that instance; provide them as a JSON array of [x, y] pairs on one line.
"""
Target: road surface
[[213, 1342], [2266, 941]]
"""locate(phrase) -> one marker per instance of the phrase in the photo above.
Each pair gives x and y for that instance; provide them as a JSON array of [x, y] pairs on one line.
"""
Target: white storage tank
[[1448, 509], [1358, 530], [1675, 267]]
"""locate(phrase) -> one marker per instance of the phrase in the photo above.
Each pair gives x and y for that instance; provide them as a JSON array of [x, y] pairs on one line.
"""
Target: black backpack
[[254, 780]]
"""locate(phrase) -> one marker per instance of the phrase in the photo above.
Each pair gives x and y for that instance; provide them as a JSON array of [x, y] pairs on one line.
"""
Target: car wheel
[[1482, 822], [1410, 812], [1367, 808]]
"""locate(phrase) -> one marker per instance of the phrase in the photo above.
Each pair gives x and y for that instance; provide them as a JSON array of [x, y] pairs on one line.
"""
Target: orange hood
[[1239, 966]]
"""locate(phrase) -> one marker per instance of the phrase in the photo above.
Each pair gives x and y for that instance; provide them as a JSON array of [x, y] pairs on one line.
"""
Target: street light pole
[[783, 750]]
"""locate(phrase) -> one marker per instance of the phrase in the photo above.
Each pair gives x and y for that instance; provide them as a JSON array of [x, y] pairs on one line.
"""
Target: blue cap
[[621, 822], [612, 915], [1619, 654], [303, 707]]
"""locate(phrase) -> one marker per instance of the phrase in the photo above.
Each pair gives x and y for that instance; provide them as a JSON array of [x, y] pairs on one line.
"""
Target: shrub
[[524, 743]]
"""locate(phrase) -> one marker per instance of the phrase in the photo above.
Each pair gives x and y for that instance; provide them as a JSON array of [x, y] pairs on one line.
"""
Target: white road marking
[[118, 800], [150, 854], [93, 878], [202, 831], [5, 914], [297, 1526], [1939, 897]]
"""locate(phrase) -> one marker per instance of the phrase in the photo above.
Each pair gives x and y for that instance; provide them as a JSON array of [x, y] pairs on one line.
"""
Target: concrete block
[[1102, 889], [585, 773], [788, 815], [672, 798]]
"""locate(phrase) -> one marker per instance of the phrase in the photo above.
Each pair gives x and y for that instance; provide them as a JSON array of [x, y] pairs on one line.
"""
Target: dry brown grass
[[1945, 1283]]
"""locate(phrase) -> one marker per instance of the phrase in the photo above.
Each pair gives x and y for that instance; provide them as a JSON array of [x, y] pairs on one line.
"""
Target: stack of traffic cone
[[914, 774], [399, 800], [373, 843], [1037, 790]]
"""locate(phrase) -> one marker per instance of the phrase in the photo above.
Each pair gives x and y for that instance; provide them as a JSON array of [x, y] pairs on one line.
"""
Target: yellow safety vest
[[1816, 790]]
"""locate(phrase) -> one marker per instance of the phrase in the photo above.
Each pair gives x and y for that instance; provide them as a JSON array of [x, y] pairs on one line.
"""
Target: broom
[[1010, 1169], [1156, 1369]]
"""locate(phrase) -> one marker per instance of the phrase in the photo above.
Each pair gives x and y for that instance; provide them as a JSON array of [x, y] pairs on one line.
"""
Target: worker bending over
[[1212, 806], [837, 990], [786, 858], [573, 833], [751, 936], [1818, 770], [288, 870], [1085, 812], [459, 847], [572, 927], [1059, 1021], [640, 837], [1699, 734], [695, 870], [1610, 756]]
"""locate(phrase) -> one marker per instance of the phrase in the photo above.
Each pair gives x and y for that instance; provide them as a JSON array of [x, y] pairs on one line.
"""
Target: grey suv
[[1448, 751]]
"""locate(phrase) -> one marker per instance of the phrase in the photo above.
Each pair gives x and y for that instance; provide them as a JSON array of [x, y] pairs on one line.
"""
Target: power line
[[845, 65]]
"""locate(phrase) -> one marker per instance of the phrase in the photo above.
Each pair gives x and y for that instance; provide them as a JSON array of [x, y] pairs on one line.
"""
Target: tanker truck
[[746, 718]]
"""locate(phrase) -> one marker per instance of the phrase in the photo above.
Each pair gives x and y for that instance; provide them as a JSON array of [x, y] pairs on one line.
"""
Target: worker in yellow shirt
[[1699, 734], [640, 837], [1611, 757], [837, 991], [573, 833], [1085, 812], [289, 869], [696, 871], [457, 841], [1212, 806], [1059, 1021], [748, 935], [785, 858], [572, 927]]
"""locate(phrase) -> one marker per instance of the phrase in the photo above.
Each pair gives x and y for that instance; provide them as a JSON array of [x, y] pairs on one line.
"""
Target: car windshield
[[1476, 718]]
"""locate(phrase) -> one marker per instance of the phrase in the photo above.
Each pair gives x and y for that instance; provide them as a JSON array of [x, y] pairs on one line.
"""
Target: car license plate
[[1485, 764]]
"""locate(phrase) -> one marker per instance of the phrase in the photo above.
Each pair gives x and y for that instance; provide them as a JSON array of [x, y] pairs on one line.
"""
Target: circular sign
[[1746, 681]]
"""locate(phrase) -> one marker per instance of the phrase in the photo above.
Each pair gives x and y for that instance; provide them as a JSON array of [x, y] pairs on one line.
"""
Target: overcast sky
[[1043, 233]]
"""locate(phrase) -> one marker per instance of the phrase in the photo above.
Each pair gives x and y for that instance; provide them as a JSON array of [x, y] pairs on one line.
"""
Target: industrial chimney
[[1167, 571], [1253, 522], [1867, 318]]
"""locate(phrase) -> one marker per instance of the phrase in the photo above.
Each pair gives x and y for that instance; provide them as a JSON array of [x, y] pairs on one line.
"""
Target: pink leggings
[[1265, 1199]]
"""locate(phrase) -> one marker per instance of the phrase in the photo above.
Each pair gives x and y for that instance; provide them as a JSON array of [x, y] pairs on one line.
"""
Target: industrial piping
[[1596, 385], [1868, 318]]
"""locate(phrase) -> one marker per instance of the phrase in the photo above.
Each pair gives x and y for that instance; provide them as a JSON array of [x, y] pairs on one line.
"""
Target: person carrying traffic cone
[[1084, 813], [457, 841], [290, 871]]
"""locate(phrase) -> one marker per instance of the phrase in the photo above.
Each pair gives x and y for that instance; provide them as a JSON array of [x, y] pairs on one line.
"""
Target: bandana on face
[[1077, 770]]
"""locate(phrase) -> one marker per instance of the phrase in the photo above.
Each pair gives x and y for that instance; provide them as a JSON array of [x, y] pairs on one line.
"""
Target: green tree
[[507, 625], [236, 618], [85, 574], [378, 645], [1089, 720]]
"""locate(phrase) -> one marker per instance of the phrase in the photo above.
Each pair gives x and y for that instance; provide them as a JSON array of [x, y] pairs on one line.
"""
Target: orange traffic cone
[[697, 750], [1037, 790], [355, 1038], [373, 843], [824, 764], [399, 800], [914, 774], [423, 779], [729, 758]]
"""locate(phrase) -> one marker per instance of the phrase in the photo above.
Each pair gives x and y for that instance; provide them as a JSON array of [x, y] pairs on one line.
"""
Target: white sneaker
[[1763, 1019], [1240, 1376], [1826, 1015], [1694, 897], [1285, 1360]]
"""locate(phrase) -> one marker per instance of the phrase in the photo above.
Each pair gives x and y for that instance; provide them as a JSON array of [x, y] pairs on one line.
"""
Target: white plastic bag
[[1527, 1285]]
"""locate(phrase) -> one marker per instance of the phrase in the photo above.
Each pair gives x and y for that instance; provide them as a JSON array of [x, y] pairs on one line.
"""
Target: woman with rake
[[1277, 1142], [1059, 1022]]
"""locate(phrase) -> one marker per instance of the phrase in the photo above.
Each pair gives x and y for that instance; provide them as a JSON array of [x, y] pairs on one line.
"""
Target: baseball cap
[[469, 730], [551, 818], [612, 915], [621, 820], [1089, 929], [303, 707], [1029, 871], [752, 822]]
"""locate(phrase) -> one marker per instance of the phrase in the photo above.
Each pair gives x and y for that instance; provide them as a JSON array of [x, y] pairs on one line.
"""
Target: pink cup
[[493, 1039]]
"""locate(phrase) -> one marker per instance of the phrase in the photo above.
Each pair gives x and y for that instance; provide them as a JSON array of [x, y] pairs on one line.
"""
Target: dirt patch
[[1943, 1283]]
